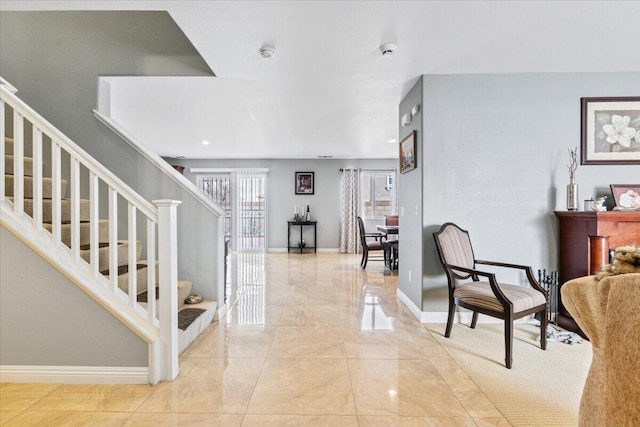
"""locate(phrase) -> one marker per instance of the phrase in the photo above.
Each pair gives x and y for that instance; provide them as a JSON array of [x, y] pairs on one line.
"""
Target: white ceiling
[[328, 90]]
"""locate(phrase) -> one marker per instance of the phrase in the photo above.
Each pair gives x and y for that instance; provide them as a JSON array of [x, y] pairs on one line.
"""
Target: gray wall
[[324, 204], [410, 203], [48, 321], [495, 155]]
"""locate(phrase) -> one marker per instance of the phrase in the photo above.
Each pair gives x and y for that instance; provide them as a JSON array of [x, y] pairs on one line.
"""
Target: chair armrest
[[532, 280], [374, 235], [490, 276]]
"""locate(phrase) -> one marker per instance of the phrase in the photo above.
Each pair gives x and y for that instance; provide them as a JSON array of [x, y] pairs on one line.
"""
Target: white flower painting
[[619, 131], [610, 130]]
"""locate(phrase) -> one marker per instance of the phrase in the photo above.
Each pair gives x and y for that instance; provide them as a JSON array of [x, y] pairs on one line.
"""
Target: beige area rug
[[543, 388]]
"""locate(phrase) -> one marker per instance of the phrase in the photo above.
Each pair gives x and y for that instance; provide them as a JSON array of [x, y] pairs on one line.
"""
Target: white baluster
[[94, 223], [37, 178], [133, 270], [2, 150], [113, 238], [18, 163], [168, 267], [75, 208], [151, 270], [56, 182]]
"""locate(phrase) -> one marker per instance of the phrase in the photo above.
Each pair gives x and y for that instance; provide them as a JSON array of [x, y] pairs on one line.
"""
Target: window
[[378, 193], [241, 193]]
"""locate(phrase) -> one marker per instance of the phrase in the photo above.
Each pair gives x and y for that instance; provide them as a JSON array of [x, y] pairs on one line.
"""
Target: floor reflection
[[373, 317]]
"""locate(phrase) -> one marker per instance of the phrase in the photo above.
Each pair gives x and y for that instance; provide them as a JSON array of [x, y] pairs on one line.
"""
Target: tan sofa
[[609, 313]]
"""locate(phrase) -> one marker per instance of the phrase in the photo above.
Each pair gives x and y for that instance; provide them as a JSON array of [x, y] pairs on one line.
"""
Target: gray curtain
[[349, 242]]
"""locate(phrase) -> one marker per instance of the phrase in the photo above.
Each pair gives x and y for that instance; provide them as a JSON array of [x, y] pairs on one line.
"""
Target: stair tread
[[124, 269]]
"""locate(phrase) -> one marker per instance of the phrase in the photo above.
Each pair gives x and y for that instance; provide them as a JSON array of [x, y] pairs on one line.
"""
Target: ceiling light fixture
[[267, 52], [388, 49], [393, 141], [205, 143]]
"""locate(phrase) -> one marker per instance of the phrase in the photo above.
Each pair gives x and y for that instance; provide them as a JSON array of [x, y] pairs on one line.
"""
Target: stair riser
[[85, 234], [184, 290], [8, 145], [141, 277], [103, 255], [47, 187], [65, 209], [28, 165]]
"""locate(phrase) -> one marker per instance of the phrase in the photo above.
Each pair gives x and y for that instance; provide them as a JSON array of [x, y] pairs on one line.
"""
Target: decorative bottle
[[308, 216]]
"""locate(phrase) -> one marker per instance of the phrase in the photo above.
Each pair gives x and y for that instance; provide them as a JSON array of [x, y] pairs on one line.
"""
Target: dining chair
[[484, 294], [368, 246], [391, 220]]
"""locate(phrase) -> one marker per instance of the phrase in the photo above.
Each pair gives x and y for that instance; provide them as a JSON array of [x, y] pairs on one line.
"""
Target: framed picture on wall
[[610, 132], [304, 182], [408, 152]]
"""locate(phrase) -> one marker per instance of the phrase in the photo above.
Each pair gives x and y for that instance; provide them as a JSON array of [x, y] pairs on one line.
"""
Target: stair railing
[[60, 242]]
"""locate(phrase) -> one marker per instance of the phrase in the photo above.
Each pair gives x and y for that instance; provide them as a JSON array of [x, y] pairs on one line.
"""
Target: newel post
[[168, 284]]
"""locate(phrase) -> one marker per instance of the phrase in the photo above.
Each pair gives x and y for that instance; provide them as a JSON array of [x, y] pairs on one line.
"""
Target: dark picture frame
[[626, 196], [408, 159], [305, 183], [610, 131]]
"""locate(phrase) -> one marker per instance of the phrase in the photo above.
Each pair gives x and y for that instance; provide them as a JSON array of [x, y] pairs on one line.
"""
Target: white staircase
[[99, 234]]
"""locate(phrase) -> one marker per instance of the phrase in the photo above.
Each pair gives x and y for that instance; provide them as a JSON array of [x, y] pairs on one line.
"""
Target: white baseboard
[[441, 316], [74, 374]]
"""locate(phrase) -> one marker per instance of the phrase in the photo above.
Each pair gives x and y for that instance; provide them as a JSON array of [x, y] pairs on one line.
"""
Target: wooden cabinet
[[585, 240]]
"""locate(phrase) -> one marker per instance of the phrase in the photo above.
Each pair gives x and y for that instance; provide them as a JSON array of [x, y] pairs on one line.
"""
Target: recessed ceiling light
[[267, 52], [393, 141], [205, 142]]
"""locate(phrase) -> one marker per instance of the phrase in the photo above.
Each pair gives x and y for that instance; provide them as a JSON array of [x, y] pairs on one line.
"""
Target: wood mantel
[[585, 240]]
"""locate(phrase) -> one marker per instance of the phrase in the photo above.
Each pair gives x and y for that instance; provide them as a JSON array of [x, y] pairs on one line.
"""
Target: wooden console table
[[302, 224], [585, 241]]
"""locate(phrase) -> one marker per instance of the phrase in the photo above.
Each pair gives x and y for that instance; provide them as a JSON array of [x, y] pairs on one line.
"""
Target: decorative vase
[[572, 196]]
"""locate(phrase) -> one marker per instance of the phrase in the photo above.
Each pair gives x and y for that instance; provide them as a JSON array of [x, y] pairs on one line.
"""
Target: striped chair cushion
[[480, 294]]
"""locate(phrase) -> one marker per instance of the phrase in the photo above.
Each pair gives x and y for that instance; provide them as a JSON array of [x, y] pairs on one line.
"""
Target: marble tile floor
[[309, 340]]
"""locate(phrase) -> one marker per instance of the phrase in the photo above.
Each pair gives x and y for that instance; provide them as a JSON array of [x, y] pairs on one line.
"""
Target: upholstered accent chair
[[368, 246], [480, 292], [607, 312]]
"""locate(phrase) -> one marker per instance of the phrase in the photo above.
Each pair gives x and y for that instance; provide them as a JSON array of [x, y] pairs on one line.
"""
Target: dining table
[[387, 229], [390, 247]]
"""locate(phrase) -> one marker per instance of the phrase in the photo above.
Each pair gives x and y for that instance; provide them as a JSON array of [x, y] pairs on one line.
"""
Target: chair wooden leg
[[452, 310], [365, 258], [508, 341], [364, 254], [543, 328], [474, 320]]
